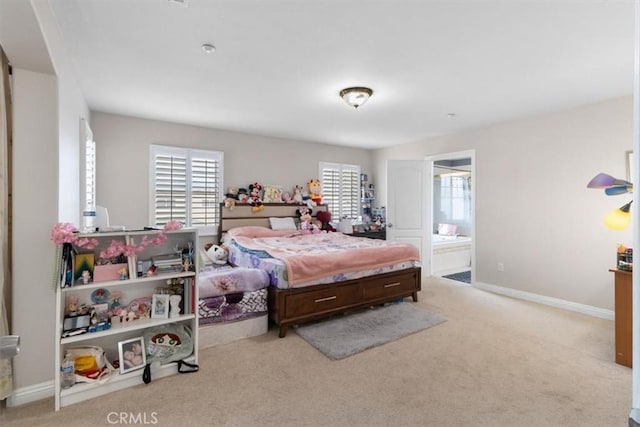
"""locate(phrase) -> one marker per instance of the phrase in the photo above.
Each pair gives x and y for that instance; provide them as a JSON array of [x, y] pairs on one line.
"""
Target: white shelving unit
[[131, 288]]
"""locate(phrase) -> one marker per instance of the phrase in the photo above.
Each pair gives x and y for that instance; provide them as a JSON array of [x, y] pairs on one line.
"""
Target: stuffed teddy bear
[[307, 226], [230, 198], [325, 219], [315, 191], [254, 197]]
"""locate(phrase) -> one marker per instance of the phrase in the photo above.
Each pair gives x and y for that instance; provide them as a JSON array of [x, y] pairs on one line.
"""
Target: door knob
[[390, 225]]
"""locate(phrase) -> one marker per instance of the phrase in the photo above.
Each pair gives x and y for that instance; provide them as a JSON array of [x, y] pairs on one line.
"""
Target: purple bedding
[[227, 280], [230, 294]]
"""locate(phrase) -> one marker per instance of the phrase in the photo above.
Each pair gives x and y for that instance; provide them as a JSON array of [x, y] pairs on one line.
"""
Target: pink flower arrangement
[[64, 232], [118, 247]]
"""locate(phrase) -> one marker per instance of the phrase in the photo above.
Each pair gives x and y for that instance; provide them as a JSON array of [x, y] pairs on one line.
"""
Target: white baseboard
[[31, 393], [553, 302]]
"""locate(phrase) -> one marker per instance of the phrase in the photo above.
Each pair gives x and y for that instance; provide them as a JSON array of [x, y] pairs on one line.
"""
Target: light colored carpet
[[495, 362], [346, 335]]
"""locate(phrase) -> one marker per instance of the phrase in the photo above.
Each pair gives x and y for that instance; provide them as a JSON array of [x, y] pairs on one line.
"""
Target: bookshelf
[[127, 295]]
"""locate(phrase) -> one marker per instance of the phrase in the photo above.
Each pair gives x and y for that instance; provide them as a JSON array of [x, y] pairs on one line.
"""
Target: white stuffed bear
[[218, 254]]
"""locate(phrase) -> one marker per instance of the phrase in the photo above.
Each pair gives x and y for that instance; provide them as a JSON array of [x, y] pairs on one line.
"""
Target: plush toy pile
[[256, 195]]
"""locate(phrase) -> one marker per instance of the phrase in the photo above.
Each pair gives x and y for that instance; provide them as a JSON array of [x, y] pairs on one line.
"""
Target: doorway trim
[[430, 167]]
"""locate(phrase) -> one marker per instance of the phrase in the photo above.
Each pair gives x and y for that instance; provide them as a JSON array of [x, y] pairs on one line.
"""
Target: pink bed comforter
[[313, 256]]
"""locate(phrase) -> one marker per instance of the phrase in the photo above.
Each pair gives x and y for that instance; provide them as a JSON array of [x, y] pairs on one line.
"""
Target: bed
[[333, 285]]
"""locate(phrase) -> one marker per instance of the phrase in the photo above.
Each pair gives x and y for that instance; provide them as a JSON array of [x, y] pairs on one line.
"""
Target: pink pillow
[[252, 231]]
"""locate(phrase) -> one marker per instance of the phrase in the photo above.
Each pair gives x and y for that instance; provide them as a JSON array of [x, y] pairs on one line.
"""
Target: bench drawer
[[380, 288], [317, 301]]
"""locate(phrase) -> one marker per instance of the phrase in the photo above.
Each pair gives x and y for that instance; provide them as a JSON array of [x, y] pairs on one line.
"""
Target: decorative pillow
[[286, 223], [253, 231], [272, 194]]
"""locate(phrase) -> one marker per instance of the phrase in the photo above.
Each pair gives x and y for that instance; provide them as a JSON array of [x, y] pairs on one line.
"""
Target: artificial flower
[[65, 232], [173, 225]]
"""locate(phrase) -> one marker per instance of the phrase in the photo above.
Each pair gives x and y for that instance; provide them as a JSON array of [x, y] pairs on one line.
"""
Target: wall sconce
[[356, 96], [618, 219]]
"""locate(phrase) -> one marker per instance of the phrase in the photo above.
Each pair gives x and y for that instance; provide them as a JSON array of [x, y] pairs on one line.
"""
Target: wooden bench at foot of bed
[[297, 305]]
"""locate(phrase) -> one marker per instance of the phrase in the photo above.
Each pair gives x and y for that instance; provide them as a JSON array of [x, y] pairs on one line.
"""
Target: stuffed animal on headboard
[[230, 198], [315, 191], [307, 226], [297, 194], [325, 219], [254, 197]]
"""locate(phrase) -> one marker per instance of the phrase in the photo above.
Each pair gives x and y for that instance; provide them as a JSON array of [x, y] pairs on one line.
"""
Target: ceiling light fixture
[[355, 96], [209, 48]]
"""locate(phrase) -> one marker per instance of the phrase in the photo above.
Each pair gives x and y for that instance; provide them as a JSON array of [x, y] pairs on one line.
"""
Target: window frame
[[188, 154]]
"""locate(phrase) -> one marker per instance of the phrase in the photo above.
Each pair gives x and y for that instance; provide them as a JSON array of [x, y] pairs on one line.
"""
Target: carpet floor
[[496, 362], [346, 335]]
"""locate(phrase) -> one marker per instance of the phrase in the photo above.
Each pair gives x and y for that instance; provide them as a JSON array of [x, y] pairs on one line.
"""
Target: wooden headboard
[[241, 215]]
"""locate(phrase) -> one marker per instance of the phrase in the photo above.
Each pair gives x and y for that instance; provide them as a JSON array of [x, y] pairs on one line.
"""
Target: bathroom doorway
[[453, 216]]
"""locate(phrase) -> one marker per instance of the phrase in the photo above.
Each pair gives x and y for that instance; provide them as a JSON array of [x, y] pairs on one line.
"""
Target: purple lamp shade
[[602, 180]]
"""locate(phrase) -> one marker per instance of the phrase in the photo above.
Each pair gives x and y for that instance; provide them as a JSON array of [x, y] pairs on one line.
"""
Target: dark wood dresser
[[623, 316]]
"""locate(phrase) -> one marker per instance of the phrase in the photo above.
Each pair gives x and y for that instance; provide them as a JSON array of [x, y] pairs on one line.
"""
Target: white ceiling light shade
[[355, 96], [209, 48]]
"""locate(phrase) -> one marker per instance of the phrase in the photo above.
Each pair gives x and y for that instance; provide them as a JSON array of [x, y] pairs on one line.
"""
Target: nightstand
[[378, 234]]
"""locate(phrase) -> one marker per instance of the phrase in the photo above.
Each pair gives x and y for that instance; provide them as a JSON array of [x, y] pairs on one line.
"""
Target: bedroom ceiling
[[278, 65]]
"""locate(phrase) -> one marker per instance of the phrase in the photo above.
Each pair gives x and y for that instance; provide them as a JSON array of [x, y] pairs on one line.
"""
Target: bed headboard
[[241, 215]]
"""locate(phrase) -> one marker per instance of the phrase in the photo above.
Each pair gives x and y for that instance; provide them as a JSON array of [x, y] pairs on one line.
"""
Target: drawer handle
[[326, 299], [390, 285]]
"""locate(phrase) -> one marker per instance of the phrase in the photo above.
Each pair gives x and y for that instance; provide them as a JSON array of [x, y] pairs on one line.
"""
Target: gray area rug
[[345, 335]]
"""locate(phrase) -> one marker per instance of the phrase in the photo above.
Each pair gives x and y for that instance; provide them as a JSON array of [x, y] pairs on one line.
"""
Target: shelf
[[98, 234], [126, 327], [83, 391], [136, 280]]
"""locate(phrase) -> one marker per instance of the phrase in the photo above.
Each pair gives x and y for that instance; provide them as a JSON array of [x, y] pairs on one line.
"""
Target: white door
[[408, 204]]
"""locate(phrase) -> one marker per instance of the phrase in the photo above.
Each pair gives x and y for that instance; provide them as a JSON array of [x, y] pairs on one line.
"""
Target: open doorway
[[453, 216]]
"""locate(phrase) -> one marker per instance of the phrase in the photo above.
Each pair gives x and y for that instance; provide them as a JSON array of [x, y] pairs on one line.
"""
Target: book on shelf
[[169, 268], [167, 259]]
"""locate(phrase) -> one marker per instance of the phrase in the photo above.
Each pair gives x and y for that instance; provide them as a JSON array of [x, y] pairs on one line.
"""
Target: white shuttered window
[[341, 189], [186, 186]]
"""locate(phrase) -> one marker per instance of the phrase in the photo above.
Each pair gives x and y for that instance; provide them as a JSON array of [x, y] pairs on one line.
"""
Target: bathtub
[[451, 254]]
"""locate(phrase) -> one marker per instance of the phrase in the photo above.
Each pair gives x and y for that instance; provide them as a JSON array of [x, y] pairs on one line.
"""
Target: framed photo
[[131, 355], [160, 306]]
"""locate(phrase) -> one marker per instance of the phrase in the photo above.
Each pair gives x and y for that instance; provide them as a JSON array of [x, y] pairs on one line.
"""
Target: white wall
[[35, 201], [122, 146], [533, 210], [46, 116]]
